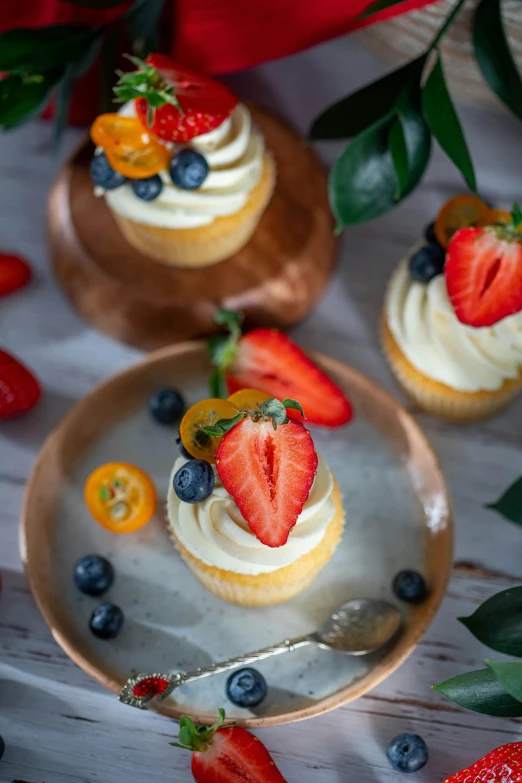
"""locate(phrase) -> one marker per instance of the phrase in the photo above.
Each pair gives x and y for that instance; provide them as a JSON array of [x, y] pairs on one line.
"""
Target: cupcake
[[255, 528], [181, 166], [452, 320]]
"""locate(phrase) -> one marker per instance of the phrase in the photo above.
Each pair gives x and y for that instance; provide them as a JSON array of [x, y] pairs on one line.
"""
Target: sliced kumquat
[[461, 212], [120, 497], [139, 163], [503, 217], [248, 398], [114, 130], [203, 414]]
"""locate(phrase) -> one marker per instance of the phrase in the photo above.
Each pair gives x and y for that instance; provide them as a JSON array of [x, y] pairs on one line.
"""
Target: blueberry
[[410, 586], [407, 753], [93, 575], [106, 621], [194, 481], [427, 263], [147, 189], [430, 235], [183, 451], [246, 688], [188, 169], [166, 405], [104, 175], [2, 747]]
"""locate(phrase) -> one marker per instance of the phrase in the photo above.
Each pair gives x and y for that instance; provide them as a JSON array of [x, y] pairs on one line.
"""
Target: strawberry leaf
[[480, 691], [275, 410], [294, 405], [509, 505], [498, 622], [222, 426]]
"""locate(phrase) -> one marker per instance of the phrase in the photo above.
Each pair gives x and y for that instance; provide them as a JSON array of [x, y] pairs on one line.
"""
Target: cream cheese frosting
[[426, 329], [234, 152], [216, 533]]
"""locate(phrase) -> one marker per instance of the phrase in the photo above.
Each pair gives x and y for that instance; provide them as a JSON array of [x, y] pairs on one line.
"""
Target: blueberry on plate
[[93, 575], [188, 169], [426, 263], [106, 621], [147, 189], [407, 753], [246, 688], [104, 175], [2, 747], [166, 405], [194, 481], [430, 236], [182, 450], [410, 586]]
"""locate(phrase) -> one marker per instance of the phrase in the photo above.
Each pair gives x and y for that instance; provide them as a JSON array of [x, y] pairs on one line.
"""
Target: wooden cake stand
[[275, 279]]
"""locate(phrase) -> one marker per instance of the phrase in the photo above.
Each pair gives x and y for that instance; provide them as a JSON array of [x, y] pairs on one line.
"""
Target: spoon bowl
[[359, 627]]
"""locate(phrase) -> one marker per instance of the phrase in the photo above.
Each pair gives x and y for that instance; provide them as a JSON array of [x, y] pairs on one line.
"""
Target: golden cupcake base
[[275, 587], [441, 400]]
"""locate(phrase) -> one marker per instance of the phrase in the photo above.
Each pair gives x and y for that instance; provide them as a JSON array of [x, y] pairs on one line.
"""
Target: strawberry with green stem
[[175, 103], [226, 755]]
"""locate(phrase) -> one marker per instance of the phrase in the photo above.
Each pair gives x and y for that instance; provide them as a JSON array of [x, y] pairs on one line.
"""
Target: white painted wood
[[61, 727]]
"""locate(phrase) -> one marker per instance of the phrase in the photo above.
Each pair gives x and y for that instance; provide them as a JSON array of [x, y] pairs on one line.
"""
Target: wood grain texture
[[276, 278], [59, 725]]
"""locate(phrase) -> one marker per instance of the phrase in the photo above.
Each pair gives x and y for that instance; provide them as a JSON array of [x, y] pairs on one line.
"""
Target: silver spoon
[[358, 627]]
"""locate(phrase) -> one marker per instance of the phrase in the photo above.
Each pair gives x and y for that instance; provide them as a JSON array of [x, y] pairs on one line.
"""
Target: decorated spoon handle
[[140, 689]]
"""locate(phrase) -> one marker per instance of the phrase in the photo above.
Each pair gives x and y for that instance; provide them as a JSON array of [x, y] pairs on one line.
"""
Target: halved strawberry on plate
[[483, 272]]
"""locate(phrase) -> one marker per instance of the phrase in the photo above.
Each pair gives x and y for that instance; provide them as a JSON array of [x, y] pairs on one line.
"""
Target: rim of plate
[[403, 646]]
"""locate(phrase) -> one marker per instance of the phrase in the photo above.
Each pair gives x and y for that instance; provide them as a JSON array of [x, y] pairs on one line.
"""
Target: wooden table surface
[[60, 726]]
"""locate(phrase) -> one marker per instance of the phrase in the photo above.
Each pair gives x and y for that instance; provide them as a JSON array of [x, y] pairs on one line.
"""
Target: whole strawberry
[[15, 273], [226, 755], [175, 103], [19, 389], [503, 765]]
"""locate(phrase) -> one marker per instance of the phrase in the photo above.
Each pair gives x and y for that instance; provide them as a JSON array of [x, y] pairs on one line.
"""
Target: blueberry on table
[[246, 688], [183, 451], [410, 586], [106, 621], [166, 405], [194, 481], [188, 169], [407, 753], [148, 188], [93, 575], [104, 175], [426, 263]]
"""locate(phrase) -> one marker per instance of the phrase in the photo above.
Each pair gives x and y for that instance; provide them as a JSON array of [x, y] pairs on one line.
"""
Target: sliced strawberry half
[[483, 272], [269, 473], [15, 273], [268, 360]]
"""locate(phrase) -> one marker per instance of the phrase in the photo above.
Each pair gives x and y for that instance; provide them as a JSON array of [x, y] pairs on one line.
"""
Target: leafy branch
[[391, 122]]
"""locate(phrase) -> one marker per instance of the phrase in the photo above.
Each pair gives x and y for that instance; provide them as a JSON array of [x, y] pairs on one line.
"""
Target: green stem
[[447, 24]]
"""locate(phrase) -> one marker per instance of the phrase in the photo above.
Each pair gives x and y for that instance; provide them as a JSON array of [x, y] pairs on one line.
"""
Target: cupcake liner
[[275, 587], [441, 400], [204, 245]]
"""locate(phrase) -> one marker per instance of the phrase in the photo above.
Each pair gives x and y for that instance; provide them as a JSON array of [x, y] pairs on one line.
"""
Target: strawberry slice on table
[[483, 272], [15, 273], [226, 755], [176, 103], [267, 463], [503, 765], [266, 359], [19, 389]]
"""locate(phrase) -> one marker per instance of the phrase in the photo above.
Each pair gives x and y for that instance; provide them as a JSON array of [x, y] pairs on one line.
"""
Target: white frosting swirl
[[426, 329], [216, 533], [234, 152]]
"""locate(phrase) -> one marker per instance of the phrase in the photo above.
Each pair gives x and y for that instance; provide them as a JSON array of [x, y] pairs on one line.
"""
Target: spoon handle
[[136, 694]]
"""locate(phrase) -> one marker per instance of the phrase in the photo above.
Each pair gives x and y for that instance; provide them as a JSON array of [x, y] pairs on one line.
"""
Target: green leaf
[[73, 71], [24, 97], [217, 384], [275, 410], [481, 692], [230, 319], [416, 133], [366, 106], [296, 406], [376, 6], [509, 675], [494, 55], [399, 153], [498, 622], [143, 25], [444, 123], [44, 48], [509, 505], [516, 216], [222, 426]]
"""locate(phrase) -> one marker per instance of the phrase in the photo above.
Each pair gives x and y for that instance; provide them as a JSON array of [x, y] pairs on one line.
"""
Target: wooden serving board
[[275, 279]]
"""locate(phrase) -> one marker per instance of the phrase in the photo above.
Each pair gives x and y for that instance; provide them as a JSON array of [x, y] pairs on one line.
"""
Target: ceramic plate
[[398, 515]]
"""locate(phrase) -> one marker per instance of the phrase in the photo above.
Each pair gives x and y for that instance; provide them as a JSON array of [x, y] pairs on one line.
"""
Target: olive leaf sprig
[[391, 121]]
